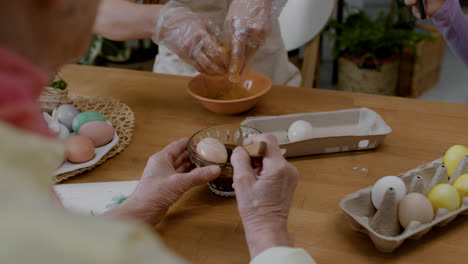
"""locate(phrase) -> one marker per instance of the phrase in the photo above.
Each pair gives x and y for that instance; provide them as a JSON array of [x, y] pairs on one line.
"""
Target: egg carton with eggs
[[88, 136], [383, 225], [324, 132]]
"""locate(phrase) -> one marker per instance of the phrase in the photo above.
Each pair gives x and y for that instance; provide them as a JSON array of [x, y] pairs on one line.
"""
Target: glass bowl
[[231, 136]]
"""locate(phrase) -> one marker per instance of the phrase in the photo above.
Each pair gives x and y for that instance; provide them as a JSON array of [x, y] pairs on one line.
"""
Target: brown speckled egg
[[80, 149], [99, 132]]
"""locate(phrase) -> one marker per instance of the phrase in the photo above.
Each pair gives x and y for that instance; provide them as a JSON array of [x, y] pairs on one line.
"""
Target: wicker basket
[[52, 98], [382, 80], [417, 74]]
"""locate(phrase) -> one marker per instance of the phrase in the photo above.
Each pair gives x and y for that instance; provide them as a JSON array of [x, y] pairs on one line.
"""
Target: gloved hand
[[247, 26], [431, 7], [190, 37]]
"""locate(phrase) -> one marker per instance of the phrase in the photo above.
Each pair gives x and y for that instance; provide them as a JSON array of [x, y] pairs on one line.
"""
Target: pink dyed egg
[[100, 132]]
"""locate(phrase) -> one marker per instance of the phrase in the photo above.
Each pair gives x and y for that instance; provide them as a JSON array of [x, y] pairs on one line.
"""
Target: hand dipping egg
[[415, 207], [381, 186], [212, 150], [79, 149], [300, 130], [99, 132]]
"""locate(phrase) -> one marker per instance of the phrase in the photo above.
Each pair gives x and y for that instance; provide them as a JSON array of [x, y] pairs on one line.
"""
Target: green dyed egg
[[86, 117]]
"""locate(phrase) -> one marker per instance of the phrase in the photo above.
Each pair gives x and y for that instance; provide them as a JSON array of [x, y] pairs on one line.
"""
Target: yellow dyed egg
[[453, 156], [445, 196], [461, 184]]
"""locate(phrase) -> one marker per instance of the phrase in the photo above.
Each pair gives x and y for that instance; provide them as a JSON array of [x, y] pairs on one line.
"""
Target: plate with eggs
[[324, 132], [88, 136]]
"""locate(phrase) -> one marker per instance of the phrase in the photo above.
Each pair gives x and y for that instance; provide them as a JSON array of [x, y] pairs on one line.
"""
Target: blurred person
[[36, 38], [191, 35], [449, 18]]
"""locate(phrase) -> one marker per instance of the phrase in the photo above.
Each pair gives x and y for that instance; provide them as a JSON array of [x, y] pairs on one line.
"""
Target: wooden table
[[205, 228]]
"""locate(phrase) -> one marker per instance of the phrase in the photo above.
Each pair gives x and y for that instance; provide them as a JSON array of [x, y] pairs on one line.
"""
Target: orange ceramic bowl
[[223, 97]]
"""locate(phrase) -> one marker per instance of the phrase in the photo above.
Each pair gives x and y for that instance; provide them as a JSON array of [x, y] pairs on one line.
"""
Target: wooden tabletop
[[205, 228]]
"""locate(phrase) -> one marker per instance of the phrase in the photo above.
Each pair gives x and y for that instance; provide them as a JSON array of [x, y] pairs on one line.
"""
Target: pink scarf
[[21, 84]]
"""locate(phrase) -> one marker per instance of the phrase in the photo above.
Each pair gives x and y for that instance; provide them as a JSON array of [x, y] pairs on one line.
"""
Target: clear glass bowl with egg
[[230, 136]]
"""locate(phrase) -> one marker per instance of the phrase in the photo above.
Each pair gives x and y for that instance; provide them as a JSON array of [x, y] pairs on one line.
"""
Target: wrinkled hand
[[166, 177], [190, 37], [431, 7], [264, 195]]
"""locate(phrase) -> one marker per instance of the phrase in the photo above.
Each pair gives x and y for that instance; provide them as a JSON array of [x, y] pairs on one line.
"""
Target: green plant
[[60, 83], [102, 51], [382, 37]]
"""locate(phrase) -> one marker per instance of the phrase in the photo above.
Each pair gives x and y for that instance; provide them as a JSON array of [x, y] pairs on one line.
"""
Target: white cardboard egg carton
[[382, 225], [337, 131]]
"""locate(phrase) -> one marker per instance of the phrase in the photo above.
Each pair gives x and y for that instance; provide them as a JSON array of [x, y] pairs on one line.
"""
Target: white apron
[[271, 59]]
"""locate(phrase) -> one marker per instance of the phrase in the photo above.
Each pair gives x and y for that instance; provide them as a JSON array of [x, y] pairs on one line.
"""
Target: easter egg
[[445, 196], [99, 132], [212, 150], [65, 115], [415, 207], [461, 184], [86, 117], [79, 149], [300, 130], [453, 156], [382, 185]]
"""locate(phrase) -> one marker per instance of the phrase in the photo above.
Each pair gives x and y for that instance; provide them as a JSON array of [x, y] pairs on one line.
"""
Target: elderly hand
[[190, 37], [247, 26], [264, 195], [166, 177], [431, 7]]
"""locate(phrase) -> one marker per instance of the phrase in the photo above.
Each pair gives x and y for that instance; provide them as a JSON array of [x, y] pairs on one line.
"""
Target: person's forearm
[[125, 20], [453, 24], [263, 236]]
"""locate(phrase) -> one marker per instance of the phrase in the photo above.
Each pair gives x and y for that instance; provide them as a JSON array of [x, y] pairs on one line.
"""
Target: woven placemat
[[119, 114]]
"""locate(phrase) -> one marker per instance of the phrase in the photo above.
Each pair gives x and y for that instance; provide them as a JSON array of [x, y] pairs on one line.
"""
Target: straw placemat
[[119, 114]]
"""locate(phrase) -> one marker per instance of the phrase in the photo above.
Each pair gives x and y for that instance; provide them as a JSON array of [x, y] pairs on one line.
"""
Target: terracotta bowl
[[223, 97]]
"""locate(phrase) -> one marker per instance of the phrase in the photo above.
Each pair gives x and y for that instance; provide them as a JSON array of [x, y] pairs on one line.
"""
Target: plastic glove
[[431, 7], [247, 26], [190, 37]]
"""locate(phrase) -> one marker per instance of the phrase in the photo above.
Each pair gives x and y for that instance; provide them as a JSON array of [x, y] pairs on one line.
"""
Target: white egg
[[300, 130], [212, 150], [381, 186], [65, 115]]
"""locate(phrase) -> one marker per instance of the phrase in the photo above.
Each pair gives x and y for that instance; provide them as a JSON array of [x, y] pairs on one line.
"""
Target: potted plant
[[54, 95], [369, 51]]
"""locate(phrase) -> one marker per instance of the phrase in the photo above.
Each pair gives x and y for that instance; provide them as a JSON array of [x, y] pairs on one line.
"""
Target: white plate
[[100, 152]]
